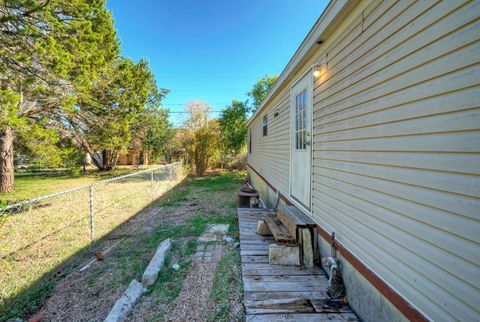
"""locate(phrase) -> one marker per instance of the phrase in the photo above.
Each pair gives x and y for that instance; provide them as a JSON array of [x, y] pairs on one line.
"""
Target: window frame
[[249, 141], [265, 125]]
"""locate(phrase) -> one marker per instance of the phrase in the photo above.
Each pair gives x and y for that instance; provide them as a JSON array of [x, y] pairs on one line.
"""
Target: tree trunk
[[6, 161], [109, 159]]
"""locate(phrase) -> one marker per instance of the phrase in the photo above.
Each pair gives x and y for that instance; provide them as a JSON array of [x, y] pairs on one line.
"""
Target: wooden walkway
[[275, 292]]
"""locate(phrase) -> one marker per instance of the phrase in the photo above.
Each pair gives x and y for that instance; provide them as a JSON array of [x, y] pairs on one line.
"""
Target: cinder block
[[288, 255]]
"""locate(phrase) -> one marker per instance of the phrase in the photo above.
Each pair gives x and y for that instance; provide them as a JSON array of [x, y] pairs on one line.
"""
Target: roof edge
[[328, 16]]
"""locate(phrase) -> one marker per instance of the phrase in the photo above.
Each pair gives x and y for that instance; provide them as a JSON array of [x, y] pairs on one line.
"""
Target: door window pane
[[301, 121]]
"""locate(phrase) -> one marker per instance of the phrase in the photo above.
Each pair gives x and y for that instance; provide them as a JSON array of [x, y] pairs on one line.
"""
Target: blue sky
[[212, 50]]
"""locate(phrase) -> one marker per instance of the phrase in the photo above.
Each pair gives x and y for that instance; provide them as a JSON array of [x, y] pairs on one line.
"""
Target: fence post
[[92, 215], [152, 186]]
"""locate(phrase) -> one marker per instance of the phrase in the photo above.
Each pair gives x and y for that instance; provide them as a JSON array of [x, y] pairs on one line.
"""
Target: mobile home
[[373, 130]]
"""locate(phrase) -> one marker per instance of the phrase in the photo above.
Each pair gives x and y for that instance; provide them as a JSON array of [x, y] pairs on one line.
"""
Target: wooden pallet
[[275, 292]]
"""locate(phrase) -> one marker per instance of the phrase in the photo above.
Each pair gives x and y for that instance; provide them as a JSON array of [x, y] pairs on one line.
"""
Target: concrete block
[[156, 263], [307, 248], [214, 232], [284, 254], [262, 228], [125, 303]]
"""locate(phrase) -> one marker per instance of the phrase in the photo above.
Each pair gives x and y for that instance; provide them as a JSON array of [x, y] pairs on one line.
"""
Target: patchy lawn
[[182, 214], [45, 239], [227, 288], [29, 185]]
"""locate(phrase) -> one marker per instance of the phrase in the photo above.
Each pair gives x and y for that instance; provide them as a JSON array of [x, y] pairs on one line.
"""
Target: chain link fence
[[38, 234]]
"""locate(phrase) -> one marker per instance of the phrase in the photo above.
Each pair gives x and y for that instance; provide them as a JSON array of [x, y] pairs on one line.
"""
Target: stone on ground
[[125, 303], [156, 263], [262, 228], [288, 255], [307, 248], [214, 232]]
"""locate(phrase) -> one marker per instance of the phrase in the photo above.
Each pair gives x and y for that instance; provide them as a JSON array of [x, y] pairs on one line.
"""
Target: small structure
[[136, 156]]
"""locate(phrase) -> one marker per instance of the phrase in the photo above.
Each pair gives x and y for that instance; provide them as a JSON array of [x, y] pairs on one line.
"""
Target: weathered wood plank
[[275, 292], [262, 286], [302, 317], [307, 279], [290, 222], [254, 252], [254, 259], [256, 246], [280, 233], [262, 295], [292, 270], [260, 242], [255, 237], [299, 305], [320, 306]]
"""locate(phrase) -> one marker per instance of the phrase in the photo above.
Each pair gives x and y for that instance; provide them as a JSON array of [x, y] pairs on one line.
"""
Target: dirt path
[[194, 302]]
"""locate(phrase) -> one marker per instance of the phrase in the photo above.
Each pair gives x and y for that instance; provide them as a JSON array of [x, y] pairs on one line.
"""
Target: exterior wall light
[[320, 67]]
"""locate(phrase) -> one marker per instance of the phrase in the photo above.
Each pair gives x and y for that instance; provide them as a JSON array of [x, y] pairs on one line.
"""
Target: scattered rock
[[176, 266], [228, 239], [284, 255], [262, 228]]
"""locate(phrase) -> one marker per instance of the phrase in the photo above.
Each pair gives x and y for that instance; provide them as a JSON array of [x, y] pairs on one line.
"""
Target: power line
[[181, 104], [182, 112]]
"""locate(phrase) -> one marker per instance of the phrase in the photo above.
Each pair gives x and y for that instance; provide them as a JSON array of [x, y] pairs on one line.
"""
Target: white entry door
[[301, 140]]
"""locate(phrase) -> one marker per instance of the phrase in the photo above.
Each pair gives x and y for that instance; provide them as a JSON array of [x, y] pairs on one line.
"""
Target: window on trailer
[[265, 125], [250, 141]]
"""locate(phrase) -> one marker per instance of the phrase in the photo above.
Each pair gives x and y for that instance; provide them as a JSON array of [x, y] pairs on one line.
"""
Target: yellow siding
[[397, 150], [396, 169], [271, 154]]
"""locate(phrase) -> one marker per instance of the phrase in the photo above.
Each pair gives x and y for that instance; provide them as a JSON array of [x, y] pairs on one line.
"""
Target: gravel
[[194, 303]]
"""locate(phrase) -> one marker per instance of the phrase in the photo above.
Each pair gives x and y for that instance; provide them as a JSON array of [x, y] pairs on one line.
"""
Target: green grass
[[221, 181], [227, 287], [34, 184], [179, 196]]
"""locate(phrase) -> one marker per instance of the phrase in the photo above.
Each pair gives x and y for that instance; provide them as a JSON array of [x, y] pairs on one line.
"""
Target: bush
[[238, 162]]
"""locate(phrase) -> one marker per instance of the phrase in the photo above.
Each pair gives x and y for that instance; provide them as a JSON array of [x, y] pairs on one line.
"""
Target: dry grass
[[33, 184], [37, 240]]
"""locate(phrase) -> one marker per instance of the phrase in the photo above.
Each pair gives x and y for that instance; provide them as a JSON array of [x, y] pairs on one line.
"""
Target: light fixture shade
[[320, 67]]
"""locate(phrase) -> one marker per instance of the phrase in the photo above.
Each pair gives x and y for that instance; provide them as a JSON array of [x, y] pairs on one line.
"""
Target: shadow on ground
[[180, 213]]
